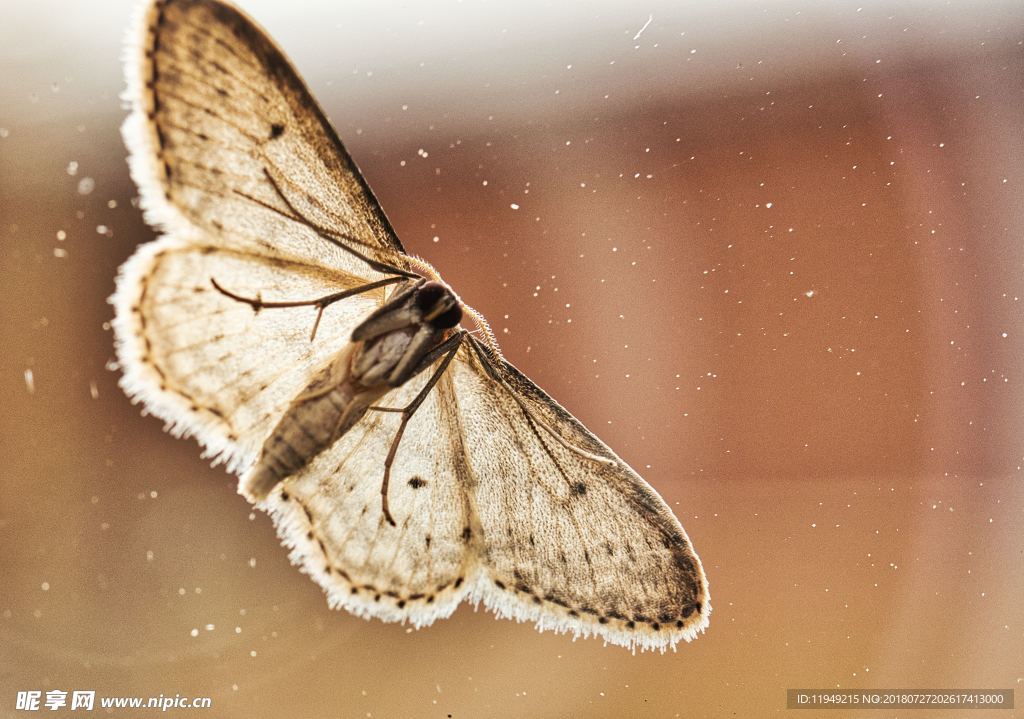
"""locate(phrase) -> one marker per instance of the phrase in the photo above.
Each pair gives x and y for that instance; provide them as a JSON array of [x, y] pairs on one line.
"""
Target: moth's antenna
[[489, 340]]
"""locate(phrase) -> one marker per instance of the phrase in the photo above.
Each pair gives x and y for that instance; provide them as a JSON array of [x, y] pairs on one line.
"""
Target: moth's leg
[[334, 238], [321, 303], [449, 347]]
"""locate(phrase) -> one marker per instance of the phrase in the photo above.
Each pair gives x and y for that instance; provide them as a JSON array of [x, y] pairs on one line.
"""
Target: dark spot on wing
[[276, 130], [417, 482], [683, 562], [579, 488]]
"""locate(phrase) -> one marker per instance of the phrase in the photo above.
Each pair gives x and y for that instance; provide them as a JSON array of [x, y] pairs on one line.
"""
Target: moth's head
[[438, 305]]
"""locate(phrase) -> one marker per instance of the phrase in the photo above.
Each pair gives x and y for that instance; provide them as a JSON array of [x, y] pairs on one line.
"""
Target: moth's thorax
[[374, 360]]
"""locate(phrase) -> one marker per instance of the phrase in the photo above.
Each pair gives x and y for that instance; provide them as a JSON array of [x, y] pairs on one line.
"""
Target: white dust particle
[[194, 632], [4, 132], [86, 185], [94, 391], [650, 19], [30, 381], [61, 235], [72, 168], [809, 293], [514, 206], [768, 205], [1005, 335], [45, 586], [60, 252]]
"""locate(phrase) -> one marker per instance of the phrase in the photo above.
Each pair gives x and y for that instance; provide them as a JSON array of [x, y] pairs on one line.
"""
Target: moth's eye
[[448, 318], [429, 295], [438, 305]]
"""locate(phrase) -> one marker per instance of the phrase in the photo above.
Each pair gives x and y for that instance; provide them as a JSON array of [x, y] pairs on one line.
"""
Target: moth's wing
[[237, 165], [330, 513], [209, 365], [226, 140], [570, 536]]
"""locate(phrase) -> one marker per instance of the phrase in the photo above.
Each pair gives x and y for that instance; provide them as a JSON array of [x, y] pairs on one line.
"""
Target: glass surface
[[770, 252]]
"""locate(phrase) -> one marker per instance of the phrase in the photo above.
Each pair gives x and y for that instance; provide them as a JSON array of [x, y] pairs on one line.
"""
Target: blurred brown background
[[771, 252]]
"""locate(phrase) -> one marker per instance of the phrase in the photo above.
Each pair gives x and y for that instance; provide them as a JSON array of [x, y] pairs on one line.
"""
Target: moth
[[406, 464]]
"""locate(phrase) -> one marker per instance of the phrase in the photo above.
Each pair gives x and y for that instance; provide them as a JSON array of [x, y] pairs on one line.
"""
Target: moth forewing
[[621, 565], [405, 463]]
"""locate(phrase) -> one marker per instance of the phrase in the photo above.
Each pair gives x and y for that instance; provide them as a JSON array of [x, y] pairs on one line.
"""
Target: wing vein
[[164, 93]]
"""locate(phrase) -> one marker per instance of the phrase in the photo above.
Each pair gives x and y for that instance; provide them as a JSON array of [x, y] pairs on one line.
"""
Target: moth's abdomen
[[337, 397], [325, 410], [304, 431]]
